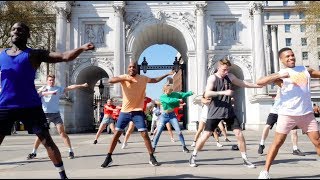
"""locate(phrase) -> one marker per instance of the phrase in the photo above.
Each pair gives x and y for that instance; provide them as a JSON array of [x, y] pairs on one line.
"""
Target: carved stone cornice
[[200, 9], [185, 18], [64, 10], [118, 10], [255, 8], [274, 28]]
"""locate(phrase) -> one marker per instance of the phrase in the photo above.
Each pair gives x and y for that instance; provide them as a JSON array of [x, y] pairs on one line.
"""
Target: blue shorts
[[107, 120], [135, 116]]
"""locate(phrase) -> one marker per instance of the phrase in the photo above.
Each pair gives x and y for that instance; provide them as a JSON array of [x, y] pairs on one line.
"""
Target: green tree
[[38, 15]]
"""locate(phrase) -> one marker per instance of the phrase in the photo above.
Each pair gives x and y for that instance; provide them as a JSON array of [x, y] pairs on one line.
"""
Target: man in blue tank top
[[19, 100]]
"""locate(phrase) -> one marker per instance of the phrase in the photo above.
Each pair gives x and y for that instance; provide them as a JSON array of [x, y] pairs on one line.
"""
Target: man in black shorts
[[220, 108]]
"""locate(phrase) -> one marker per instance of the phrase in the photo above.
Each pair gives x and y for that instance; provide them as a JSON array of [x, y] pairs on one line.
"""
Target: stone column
[[63, 9], [259, 54], [201, 50], [118, 51], [274, 45]]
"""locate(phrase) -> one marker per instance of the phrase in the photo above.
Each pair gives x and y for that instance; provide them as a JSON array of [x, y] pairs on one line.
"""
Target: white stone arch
[[186, 34], [98, 62]]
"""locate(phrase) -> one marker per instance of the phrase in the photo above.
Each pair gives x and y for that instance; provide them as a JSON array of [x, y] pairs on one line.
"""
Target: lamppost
[[176, 65], [144, 65], [101, 88]]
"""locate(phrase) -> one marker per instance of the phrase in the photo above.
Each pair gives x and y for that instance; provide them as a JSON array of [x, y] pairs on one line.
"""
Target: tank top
[[17, 81], [295, 96], [220, 106]]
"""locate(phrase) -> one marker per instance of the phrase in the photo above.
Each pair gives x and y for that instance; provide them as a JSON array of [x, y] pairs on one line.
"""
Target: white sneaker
[[219, 145], [124, 145], [172, 140], [264, 175], [247, 163], [193, 144]]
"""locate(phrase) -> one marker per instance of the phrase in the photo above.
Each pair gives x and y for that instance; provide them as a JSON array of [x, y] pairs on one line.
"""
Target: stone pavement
[[214, 162]]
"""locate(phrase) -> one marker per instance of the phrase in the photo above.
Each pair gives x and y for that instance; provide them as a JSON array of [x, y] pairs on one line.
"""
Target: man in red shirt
[[108, 110]]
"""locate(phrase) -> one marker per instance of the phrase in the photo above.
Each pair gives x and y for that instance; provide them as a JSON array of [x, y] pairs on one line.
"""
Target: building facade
[[203, 32]]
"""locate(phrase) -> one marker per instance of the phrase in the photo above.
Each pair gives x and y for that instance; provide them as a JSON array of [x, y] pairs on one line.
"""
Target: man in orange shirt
[[133, 91]]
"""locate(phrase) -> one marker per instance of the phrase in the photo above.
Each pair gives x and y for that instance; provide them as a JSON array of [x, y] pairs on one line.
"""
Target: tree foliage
[[311, 10], [38, 15]]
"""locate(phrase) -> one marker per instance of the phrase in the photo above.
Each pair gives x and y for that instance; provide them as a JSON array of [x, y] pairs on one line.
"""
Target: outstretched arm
[[242, 83], [122, 78], [75, 86], [275, 77], [155, 80]]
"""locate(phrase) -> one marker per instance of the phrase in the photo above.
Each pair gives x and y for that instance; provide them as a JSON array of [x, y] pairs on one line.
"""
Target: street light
[[101, 87], [144, 65], [176, 65]]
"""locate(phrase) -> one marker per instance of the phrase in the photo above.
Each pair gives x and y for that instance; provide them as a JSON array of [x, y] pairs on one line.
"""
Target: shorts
[[107, 120], [307, 123], [33, 119], [272, 119], [232, 123], [55, 118], [136, 116]]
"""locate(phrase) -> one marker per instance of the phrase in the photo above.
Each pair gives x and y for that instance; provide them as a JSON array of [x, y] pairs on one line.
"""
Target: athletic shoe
[[264, 175], [192, 161], [31, 156], [107, 162], [172, 140], [298, 153], [260, 150], [124, 145], [193, 144], [219, 145], [153, 161], [95, 142], [119, 141], [227, 140], [247, 163], [71, 155], [185, 149]]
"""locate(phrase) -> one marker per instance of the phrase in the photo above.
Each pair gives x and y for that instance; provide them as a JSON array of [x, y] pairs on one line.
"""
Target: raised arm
[[155, 80], [122, 78], [75, 86]]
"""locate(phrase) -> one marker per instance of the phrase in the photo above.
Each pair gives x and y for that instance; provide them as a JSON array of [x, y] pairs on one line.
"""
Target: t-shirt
[[295, 96], [106, 110], [134, 93], [172, 100], [50, 103]]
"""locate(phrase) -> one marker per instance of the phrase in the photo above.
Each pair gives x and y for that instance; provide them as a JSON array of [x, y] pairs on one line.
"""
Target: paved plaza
[[132, 162]]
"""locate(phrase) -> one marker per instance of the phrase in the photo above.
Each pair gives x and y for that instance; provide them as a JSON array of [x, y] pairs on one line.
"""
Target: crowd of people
[[20, 101]]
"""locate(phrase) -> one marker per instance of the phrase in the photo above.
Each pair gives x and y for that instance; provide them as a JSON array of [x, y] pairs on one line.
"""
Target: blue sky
[[157, 55]]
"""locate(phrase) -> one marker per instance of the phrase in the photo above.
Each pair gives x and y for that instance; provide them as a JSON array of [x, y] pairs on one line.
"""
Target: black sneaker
[[298, 153], [227, 140], [192, 161], [71, 155], [185, 149], [153, 161], [31, 156], [260, 150], [119, 141], [107, 162], [95, 142]]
